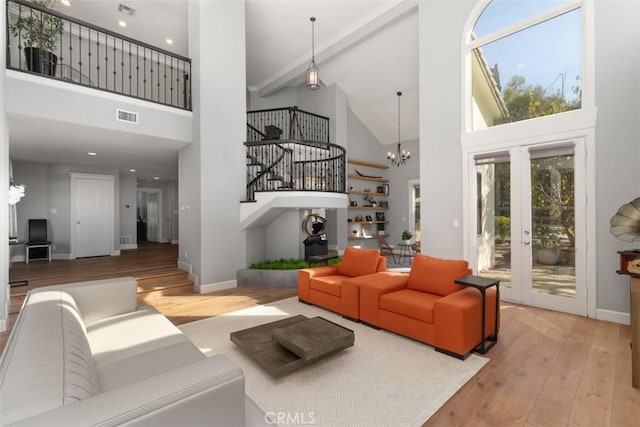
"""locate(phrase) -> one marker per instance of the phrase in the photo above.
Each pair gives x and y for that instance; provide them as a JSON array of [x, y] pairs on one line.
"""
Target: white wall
[[440, 32], [283, 237], [617, 49], [93, 108], [212, 170]]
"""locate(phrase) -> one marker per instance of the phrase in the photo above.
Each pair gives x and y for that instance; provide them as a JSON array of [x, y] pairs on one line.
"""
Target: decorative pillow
[[358, 262], [436, 275]]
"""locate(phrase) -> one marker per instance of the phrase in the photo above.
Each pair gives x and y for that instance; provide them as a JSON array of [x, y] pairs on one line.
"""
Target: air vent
[[126, 240], [127, 116], [126, 9]]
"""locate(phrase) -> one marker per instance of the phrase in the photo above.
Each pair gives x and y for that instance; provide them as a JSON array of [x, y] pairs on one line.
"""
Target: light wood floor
[[548, 368]]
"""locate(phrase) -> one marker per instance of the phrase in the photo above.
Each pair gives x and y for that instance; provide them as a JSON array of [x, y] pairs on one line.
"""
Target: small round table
[[405, 251]]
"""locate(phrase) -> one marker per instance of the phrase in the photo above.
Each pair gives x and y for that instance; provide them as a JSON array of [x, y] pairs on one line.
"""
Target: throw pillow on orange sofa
[[358, 262], [436, 275]]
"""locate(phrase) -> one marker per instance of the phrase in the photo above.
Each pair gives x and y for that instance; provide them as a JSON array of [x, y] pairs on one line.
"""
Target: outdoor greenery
[[552, 200], [526, 101], [286, 264], [503, 228], [37, 29]]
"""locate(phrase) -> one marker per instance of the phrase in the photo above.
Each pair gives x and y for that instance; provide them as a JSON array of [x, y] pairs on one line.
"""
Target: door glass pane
[[553, 225], [494, 220]]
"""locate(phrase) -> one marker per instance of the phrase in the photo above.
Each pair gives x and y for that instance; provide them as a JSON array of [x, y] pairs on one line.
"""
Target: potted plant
[[546, 241], [406, 236], [40, 33]]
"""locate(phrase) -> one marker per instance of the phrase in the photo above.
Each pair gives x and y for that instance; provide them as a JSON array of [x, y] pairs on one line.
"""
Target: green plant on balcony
[[406, 236], [39, 33]]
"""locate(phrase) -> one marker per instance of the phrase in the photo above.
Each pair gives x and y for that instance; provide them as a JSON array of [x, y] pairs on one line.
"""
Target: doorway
[[92, 215], [530, 218], [150, 215]]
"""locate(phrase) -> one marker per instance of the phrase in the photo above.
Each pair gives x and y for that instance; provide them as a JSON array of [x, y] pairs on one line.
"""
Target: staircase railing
[[45, 42], [295, 163]]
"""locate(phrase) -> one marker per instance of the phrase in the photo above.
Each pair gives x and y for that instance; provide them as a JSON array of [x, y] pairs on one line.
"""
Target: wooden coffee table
[[286, 345]]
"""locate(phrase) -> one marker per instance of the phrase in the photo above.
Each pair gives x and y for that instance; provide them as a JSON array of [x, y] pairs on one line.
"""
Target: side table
[[482, 284], [405, 251]]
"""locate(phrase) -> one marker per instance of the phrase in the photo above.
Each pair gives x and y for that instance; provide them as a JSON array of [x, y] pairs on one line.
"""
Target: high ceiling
[[367, 47]]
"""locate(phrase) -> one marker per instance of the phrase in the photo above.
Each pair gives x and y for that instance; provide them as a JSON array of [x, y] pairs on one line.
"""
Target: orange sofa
[[428, 306], [337, 287]]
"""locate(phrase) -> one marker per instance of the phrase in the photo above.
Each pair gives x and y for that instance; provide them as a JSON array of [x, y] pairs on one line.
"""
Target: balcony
[[288, 149], [51, 45]]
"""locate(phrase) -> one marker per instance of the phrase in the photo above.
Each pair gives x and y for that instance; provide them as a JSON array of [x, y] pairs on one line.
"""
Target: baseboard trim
[[189, 269], [128, 246], [613, 316], [19, 258], [212, 287], [163, 241], [115, 252], [174, 242], [3, 324], [61, 256]]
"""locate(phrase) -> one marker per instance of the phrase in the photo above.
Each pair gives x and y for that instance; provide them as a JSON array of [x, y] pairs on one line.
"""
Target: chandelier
[[400, 157], [313, 74]]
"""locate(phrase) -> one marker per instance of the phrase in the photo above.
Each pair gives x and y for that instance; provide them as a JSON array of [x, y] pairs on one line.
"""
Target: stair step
[[161, 277], [146, 297], [167, 284]]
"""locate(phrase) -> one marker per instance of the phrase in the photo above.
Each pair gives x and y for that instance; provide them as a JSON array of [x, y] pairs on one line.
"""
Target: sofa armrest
[[371, 292], [457, 319], [207, 392], [98, 299], [306, 274]]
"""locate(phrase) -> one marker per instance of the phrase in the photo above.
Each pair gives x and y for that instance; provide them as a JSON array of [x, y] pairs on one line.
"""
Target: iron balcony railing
[[47, 43], [297, 162]]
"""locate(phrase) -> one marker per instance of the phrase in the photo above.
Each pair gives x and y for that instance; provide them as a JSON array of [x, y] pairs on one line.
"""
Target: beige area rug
[[383, 380]]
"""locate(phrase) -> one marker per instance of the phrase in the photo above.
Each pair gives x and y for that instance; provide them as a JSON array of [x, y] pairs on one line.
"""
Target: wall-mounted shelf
[[377, 208], [368, 222], [365, 178], [368, 193]]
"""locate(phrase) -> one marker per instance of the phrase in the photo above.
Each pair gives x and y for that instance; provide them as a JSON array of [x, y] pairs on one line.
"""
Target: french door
[[529, 223]]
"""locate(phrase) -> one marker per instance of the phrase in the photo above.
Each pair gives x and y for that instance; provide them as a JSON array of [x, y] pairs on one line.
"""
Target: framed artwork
[[379, 216], [368, 218]]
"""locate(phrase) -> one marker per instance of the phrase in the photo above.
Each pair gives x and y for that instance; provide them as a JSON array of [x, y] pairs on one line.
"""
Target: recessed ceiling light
[[91, 153], [156, 177], [122, 24], [65, 3], [132, 170], [169, 41]]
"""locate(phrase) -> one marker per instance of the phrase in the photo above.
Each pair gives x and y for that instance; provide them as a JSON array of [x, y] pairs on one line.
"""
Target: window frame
[[469, 44]]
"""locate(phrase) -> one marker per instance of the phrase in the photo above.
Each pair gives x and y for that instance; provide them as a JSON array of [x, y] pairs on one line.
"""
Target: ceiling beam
[[293, 73]]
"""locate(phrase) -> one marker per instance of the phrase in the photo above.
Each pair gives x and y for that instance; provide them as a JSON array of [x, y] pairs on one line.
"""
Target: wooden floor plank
[[547, 369], [593, 400]]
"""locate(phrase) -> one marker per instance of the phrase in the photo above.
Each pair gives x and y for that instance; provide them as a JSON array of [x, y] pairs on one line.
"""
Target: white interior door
[[530, 223], [92, 215]]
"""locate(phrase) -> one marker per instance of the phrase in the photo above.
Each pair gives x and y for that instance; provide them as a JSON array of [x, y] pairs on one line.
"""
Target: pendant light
[[313, 74], [400, 157]]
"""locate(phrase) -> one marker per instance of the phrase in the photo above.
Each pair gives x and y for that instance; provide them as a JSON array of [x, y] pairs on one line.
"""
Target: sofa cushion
[[436, 275], [358, 262], [137, 345], [407, 302], [47, 362], [331, 285]]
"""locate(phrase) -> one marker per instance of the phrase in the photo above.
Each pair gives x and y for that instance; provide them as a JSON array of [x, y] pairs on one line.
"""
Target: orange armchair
[[428, 306], [337, 287]]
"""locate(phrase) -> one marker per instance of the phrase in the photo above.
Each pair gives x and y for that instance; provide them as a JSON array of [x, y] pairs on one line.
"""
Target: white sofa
[[87, 354]]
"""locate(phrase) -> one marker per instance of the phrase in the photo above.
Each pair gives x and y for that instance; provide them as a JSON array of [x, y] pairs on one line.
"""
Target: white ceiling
[[367, 47]]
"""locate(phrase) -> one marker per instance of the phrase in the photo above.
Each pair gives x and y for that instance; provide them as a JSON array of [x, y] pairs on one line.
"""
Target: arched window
[[526, 61]]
